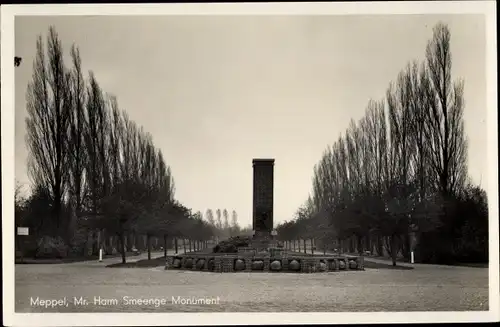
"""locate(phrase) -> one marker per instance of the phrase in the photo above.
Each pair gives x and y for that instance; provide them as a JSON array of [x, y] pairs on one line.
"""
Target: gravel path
[[425, 288]]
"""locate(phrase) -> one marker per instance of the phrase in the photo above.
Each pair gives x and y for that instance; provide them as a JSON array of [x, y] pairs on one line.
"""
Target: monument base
[[262, 241], [264, 262]]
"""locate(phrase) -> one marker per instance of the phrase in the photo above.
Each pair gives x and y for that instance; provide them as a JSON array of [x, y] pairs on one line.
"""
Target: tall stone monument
[[263, 187]]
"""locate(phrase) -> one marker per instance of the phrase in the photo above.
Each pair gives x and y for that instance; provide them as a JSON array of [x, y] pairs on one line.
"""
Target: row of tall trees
[[222, 225], [398, 177], [91, 166]]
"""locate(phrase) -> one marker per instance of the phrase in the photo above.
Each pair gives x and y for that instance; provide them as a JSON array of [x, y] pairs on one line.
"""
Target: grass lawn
[[457, 264], [376, 265], [145, 263], [70, 259]]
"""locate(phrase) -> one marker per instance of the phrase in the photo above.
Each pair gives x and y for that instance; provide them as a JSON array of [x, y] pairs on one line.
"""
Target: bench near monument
[[263, 254]]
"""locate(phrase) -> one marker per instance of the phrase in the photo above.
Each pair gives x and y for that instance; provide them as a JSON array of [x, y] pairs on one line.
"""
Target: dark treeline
[[98, 181], [398, 176], [223, 226]]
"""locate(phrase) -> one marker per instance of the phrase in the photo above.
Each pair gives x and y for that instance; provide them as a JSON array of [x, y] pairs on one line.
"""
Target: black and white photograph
[[282, 162]]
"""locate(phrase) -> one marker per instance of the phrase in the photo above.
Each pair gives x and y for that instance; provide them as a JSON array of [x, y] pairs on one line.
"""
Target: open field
[[425, 288]]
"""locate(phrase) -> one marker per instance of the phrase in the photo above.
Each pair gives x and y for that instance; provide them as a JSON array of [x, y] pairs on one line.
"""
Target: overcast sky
[[216, 92]]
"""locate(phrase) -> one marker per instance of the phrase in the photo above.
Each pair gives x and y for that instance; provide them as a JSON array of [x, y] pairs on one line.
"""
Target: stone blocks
[[247, 262], [294, 265], [239, 265], [200, 264], [258, 265], [211, 264], [188, 263], [275, 265]]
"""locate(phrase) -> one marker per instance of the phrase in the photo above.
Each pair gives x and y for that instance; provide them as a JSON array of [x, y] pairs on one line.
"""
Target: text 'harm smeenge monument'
[[263, 188]]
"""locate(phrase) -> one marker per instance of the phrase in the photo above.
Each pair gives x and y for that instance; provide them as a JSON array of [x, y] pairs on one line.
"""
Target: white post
[[412, 258], [100, 255]]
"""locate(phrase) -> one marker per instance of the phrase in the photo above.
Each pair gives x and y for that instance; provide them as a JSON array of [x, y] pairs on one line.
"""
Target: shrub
[[51, 247], [78, 243], [232, 244]]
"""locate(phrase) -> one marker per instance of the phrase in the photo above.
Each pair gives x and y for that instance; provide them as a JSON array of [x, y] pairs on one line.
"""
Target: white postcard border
[[8, 12]]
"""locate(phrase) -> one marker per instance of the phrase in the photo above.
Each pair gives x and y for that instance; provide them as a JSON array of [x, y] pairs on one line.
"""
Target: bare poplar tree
[[48, 122], [93, 142], [78, 154], [115, 146], [218, 219], [209, 215], [445, 127], [234, 219], [225, 214]]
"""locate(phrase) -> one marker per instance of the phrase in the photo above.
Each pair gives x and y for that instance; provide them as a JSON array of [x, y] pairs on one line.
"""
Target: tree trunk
[[184, 244], [394, 250], [122, 247], [369, 242], [190, 245], [312, 246], [305, 246], [380, 246], [57, 202], [98, 242], [360, 247], [148, 241], [165, 245], [92, 243], [298, 241], [406, 246], [128, 242]]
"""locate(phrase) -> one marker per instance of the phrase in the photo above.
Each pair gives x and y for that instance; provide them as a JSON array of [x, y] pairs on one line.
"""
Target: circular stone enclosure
[[244, 262]]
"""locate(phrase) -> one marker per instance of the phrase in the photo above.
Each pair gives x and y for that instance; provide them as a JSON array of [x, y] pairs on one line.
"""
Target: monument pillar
[[263, 188]]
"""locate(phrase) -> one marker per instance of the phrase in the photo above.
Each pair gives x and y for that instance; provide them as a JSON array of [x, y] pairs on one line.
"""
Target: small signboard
[[23, 231]]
